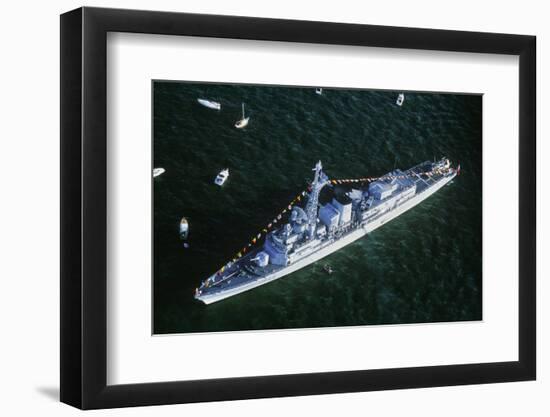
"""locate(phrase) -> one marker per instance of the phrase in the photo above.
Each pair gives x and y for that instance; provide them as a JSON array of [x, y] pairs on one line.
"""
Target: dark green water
[[424, 266]]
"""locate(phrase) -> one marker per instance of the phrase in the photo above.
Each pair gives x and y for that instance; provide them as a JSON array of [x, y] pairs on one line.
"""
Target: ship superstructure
[[317, 230]]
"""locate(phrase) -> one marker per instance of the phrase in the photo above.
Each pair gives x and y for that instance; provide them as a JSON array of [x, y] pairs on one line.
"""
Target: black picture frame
[[84, 207]]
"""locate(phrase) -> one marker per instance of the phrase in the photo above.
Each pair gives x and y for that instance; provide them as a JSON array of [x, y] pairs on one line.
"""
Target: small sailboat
[[184, 229], [158, 171], [222, 177], [319, 91], [239, 124], [209, 103], [400, 99]]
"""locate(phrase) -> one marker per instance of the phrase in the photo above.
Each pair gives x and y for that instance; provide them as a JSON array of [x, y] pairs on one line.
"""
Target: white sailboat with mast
[[239, 124]]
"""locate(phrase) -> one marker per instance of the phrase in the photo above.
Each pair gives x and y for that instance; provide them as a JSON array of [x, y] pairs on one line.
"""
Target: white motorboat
[[209, 103], [184, 228], [400, 99], [319, 91], [239, 124], [222, 177], [158, 171]]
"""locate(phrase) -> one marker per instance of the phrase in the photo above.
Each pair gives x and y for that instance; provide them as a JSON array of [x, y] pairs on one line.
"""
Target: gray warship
[[316, 230]]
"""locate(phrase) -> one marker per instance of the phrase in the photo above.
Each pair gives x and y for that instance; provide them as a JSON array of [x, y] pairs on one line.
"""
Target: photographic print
[[283, 207]]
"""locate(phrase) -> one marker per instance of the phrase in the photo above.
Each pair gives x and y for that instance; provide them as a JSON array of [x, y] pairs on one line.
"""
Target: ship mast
[[319, 181]]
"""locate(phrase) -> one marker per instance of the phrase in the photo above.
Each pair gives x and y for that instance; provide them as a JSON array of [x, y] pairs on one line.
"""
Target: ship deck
[[241, 272], [422, 180]]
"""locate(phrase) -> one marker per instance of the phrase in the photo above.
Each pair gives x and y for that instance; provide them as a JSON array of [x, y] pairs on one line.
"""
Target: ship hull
[[331, 248]]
